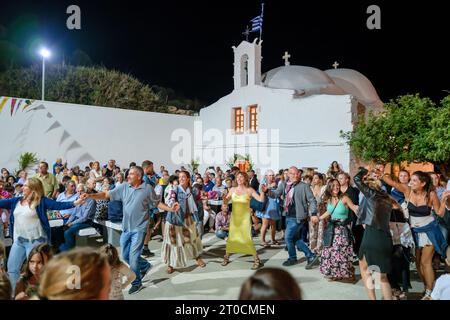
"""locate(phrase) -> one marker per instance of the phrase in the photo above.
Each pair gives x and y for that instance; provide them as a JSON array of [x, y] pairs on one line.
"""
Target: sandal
[[257, 264], [226, 260], [266, 245], [275, 243], [201, 263]]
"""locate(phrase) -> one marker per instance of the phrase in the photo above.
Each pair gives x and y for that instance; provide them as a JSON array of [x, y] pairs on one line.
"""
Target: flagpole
[[260, 29]]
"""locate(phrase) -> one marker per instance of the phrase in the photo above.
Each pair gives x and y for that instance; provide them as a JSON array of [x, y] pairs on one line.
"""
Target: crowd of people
[[379, 222]]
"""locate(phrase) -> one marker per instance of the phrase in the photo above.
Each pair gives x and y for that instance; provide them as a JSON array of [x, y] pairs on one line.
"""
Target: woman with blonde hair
[[29, 224], [240, 235], [79, 274]]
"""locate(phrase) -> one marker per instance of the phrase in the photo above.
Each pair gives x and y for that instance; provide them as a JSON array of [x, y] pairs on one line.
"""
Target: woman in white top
[[29, 224], [96, 175]]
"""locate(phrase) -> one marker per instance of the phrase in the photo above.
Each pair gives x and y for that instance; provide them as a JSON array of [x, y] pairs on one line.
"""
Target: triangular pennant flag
[[73, 145], [3, 103], [13, 103], [18, 105], [49, 115], [85, 157], [53, 126], [64, 137], [40, 107], [28, 103]]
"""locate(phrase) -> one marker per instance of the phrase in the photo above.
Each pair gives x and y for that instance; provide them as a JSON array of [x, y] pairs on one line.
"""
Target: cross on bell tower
[[286, 58], [335, 65]]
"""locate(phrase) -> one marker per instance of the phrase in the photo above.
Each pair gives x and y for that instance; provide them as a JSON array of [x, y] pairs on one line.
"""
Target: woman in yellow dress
[[240, 234]]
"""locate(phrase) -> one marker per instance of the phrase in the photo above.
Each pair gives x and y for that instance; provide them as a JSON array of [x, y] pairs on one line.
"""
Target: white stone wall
[[81, 133], [308, 127]]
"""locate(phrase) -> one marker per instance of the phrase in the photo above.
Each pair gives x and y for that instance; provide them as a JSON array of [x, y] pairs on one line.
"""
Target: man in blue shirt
[[208, 185], [137, 198]]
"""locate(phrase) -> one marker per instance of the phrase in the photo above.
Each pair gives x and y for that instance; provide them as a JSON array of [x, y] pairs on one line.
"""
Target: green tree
[[411, 129]]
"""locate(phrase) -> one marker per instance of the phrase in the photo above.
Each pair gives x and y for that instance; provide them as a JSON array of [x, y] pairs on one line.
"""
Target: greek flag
[[257, 23]]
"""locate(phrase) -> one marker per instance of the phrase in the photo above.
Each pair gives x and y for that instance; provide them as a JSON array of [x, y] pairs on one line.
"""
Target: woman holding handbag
[[336, 261]]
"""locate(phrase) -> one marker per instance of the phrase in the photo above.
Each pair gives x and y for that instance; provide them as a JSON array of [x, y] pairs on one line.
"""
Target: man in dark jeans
[[299, 202]]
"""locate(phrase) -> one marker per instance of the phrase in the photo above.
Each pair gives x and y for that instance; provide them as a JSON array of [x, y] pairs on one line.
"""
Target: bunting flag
[[73, 145], [13, 103], [85, 157], [2, 103], [49, 115], [55, 125], [28, 103], [64, 137], [40, 107], [18, 105]]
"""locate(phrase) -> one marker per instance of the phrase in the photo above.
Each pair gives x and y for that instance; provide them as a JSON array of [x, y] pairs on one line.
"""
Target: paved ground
[[217, 282]]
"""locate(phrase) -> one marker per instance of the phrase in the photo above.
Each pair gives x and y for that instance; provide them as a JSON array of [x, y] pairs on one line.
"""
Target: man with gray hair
[[80, 218], [299, 203], [137, 198]]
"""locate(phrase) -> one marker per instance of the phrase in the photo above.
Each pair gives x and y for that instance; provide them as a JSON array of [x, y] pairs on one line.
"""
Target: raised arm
[[276, 193], [365, 190], [228, 195], [259, 197], [438, 206], [397, 185]]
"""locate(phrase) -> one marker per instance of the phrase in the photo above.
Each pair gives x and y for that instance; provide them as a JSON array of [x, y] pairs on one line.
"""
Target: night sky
[[186, 45]]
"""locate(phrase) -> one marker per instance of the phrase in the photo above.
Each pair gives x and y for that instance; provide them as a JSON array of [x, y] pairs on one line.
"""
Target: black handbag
[[329, 232]]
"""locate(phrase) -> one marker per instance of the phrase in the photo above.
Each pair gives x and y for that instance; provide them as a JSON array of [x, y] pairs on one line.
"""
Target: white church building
[[290, 115]]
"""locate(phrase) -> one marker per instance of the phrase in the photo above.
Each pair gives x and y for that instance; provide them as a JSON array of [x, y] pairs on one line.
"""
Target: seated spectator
[[270, 284], [67, 196], [28, 282], [120, 178], [80, 218], [18, 190], [57, 281], [209, 216], [22, 175], [11, 180], [59, 174], [119, 270], [5, 175], [223, 223], [219, 188]]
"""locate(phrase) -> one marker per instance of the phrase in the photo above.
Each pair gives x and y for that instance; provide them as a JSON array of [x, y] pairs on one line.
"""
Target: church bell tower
[[247, 64]]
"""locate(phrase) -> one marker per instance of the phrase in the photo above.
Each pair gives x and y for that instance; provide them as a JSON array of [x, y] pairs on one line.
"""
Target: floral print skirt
[[337, 260]]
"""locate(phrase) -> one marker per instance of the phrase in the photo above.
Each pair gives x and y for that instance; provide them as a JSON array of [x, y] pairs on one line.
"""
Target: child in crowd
[[119, 270], [28, 283], [5, 286], [441, 289]]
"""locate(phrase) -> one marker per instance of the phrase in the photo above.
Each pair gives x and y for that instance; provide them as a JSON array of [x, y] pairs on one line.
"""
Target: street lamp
[[45, 53]]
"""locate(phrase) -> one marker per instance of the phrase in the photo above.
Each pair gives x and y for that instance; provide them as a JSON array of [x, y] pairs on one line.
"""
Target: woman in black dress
[[376, 247]]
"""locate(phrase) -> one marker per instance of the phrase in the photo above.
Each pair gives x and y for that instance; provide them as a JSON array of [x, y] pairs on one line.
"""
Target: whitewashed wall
[[81, 133], [309, 127]]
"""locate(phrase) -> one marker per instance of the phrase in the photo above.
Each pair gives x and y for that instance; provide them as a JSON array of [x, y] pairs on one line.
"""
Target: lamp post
[[45, 53]]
